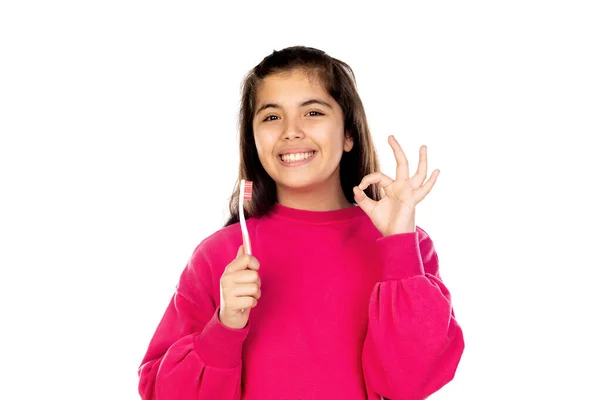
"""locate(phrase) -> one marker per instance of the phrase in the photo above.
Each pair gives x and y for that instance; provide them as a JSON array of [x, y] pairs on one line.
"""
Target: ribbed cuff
[[219, 345], [400, 255]]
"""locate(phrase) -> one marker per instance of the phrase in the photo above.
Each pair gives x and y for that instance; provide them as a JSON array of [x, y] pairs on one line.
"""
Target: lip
[[299, 162]]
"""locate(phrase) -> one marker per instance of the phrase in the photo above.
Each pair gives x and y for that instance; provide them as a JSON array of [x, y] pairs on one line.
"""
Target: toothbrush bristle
[[248, 190]]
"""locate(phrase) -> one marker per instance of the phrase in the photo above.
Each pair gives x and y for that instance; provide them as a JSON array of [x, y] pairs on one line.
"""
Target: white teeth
[[297, 156]]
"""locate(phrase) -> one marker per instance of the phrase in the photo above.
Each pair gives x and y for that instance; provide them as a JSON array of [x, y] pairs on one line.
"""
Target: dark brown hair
[[338, 79]]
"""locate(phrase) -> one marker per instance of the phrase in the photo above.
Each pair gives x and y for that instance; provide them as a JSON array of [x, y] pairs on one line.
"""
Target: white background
[[118, 152]]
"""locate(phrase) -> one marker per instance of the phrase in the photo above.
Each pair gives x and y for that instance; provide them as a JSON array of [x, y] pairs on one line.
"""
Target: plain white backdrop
[[118, 153]]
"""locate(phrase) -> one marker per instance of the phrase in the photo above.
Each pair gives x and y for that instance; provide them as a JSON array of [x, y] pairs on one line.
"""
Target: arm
[[192, 355], [413, 343]]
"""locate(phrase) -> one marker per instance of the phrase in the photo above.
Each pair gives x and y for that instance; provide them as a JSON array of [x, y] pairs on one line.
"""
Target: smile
[[294, 159]]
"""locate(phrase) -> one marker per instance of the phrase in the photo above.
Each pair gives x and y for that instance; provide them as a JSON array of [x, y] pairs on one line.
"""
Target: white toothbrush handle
[[245, 236]]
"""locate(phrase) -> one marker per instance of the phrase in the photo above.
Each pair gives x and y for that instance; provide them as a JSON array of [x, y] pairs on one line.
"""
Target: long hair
[[338, 79]]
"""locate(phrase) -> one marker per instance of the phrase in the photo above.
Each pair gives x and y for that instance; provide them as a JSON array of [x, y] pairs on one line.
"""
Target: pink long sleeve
[[344, 314], [192, 355], [413, 343]]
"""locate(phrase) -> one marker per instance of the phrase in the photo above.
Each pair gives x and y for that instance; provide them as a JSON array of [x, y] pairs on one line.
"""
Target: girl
[[352, 305]]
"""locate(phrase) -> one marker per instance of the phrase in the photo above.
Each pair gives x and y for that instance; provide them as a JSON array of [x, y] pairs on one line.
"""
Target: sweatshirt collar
[[279, 210]]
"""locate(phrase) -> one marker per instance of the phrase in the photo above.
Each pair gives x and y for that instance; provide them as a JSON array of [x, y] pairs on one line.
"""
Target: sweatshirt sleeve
[[413, 343], [192, 355]]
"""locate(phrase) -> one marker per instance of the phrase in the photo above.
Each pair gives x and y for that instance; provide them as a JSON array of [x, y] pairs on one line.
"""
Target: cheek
[[330, 141], [259, 144], [258, 139], [264, 146]]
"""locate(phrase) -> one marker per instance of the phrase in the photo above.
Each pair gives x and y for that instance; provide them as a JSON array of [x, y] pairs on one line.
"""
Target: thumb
[[240, 251], [363, 201]]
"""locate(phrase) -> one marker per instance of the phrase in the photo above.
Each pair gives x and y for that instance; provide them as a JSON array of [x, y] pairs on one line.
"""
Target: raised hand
[[394, 213]]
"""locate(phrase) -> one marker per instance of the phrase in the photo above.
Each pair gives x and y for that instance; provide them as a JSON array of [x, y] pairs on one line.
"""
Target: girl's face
[[299, 132]]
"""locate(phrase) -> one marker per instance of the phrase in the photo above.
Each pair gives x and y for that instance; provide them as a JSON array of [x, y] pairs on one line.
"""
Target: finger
[[242, 304], [253, 263], [242, 262], [245, 276], [363, 201], [419, 177], [401, 161], [375, 178], [249, 289], [421, 192], [247, 302]]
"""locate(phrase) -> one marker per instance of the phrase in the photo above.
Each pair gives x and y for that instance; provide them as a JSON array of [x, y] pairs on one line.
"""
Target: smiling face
[[299, 134]]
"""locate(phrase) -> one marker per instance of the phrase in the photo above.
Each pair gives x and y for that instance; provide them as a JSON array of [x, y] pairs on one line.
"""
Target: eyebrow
[[303, 104]]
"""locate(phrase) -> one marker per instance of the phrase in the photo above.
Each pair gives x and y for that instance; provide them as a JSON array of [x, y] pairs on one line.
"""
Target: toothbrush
[[245, 194]]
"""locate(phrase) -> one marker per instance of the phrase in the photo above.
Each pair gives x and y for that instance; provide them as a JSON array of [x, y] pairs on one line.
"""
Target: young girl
[[341, 297]]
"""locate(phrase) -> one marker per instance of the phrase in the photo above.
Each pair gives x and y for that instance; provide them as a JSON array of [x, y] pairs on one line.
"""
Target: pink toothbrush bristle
[[248, 190]]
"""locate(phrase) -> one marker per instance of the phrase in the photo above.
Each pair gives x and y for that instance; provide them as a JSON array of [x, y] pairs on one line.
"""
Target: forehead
[[290, 84]]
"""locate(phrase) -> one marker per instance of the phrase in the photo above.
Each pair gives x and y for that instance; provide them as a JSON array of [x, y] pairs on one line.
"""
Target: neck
[[323, 197]]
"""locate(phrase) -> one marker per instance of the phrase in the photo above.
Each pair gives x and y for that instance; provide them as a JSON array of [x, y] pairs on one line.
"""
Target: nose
[[292, 130]]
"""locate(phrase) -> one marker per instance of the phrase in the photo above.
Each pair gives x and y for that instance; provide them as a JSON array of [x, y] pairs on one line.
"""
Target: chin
[[299, 180], [296, 183]]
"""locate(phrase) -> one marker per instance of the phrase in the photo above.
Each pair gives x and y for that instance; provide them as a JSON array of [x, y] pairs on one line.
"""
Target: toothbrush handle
[[247, 247]]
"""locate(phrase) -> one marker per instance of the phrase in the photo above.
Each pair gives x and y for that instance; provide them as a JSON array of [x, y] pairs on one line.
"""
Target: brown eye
[[269, 116], [315, 112]]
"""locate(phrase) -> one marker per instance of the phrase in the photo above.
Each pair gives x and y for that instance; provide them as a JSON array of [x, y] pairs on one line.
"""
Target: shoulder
[[223, 243]]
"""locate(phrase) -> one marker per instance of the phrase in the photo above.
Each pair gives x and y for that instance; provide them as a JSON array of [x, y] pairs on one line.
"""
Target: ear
[[348, 142]]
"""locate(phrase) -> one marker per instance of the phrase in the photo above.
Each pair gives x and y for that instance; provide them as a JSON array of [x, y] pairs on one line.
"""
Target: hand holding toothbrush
[[240, 290], [240, 283]]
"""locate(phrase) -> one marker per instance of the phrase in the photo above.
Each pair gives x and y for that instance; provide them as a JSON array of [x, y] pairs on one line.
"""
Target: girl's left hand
[[395, 212]]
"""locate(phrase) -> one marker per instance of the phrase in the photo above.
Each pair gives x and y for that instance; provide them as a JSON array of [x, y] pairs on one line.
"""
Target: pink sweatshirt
[[344, 314]]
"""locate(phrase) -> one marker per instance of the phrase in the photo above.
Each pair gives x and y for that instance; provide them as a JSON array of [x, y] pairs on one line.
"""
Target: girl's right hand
[[240, 290]]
